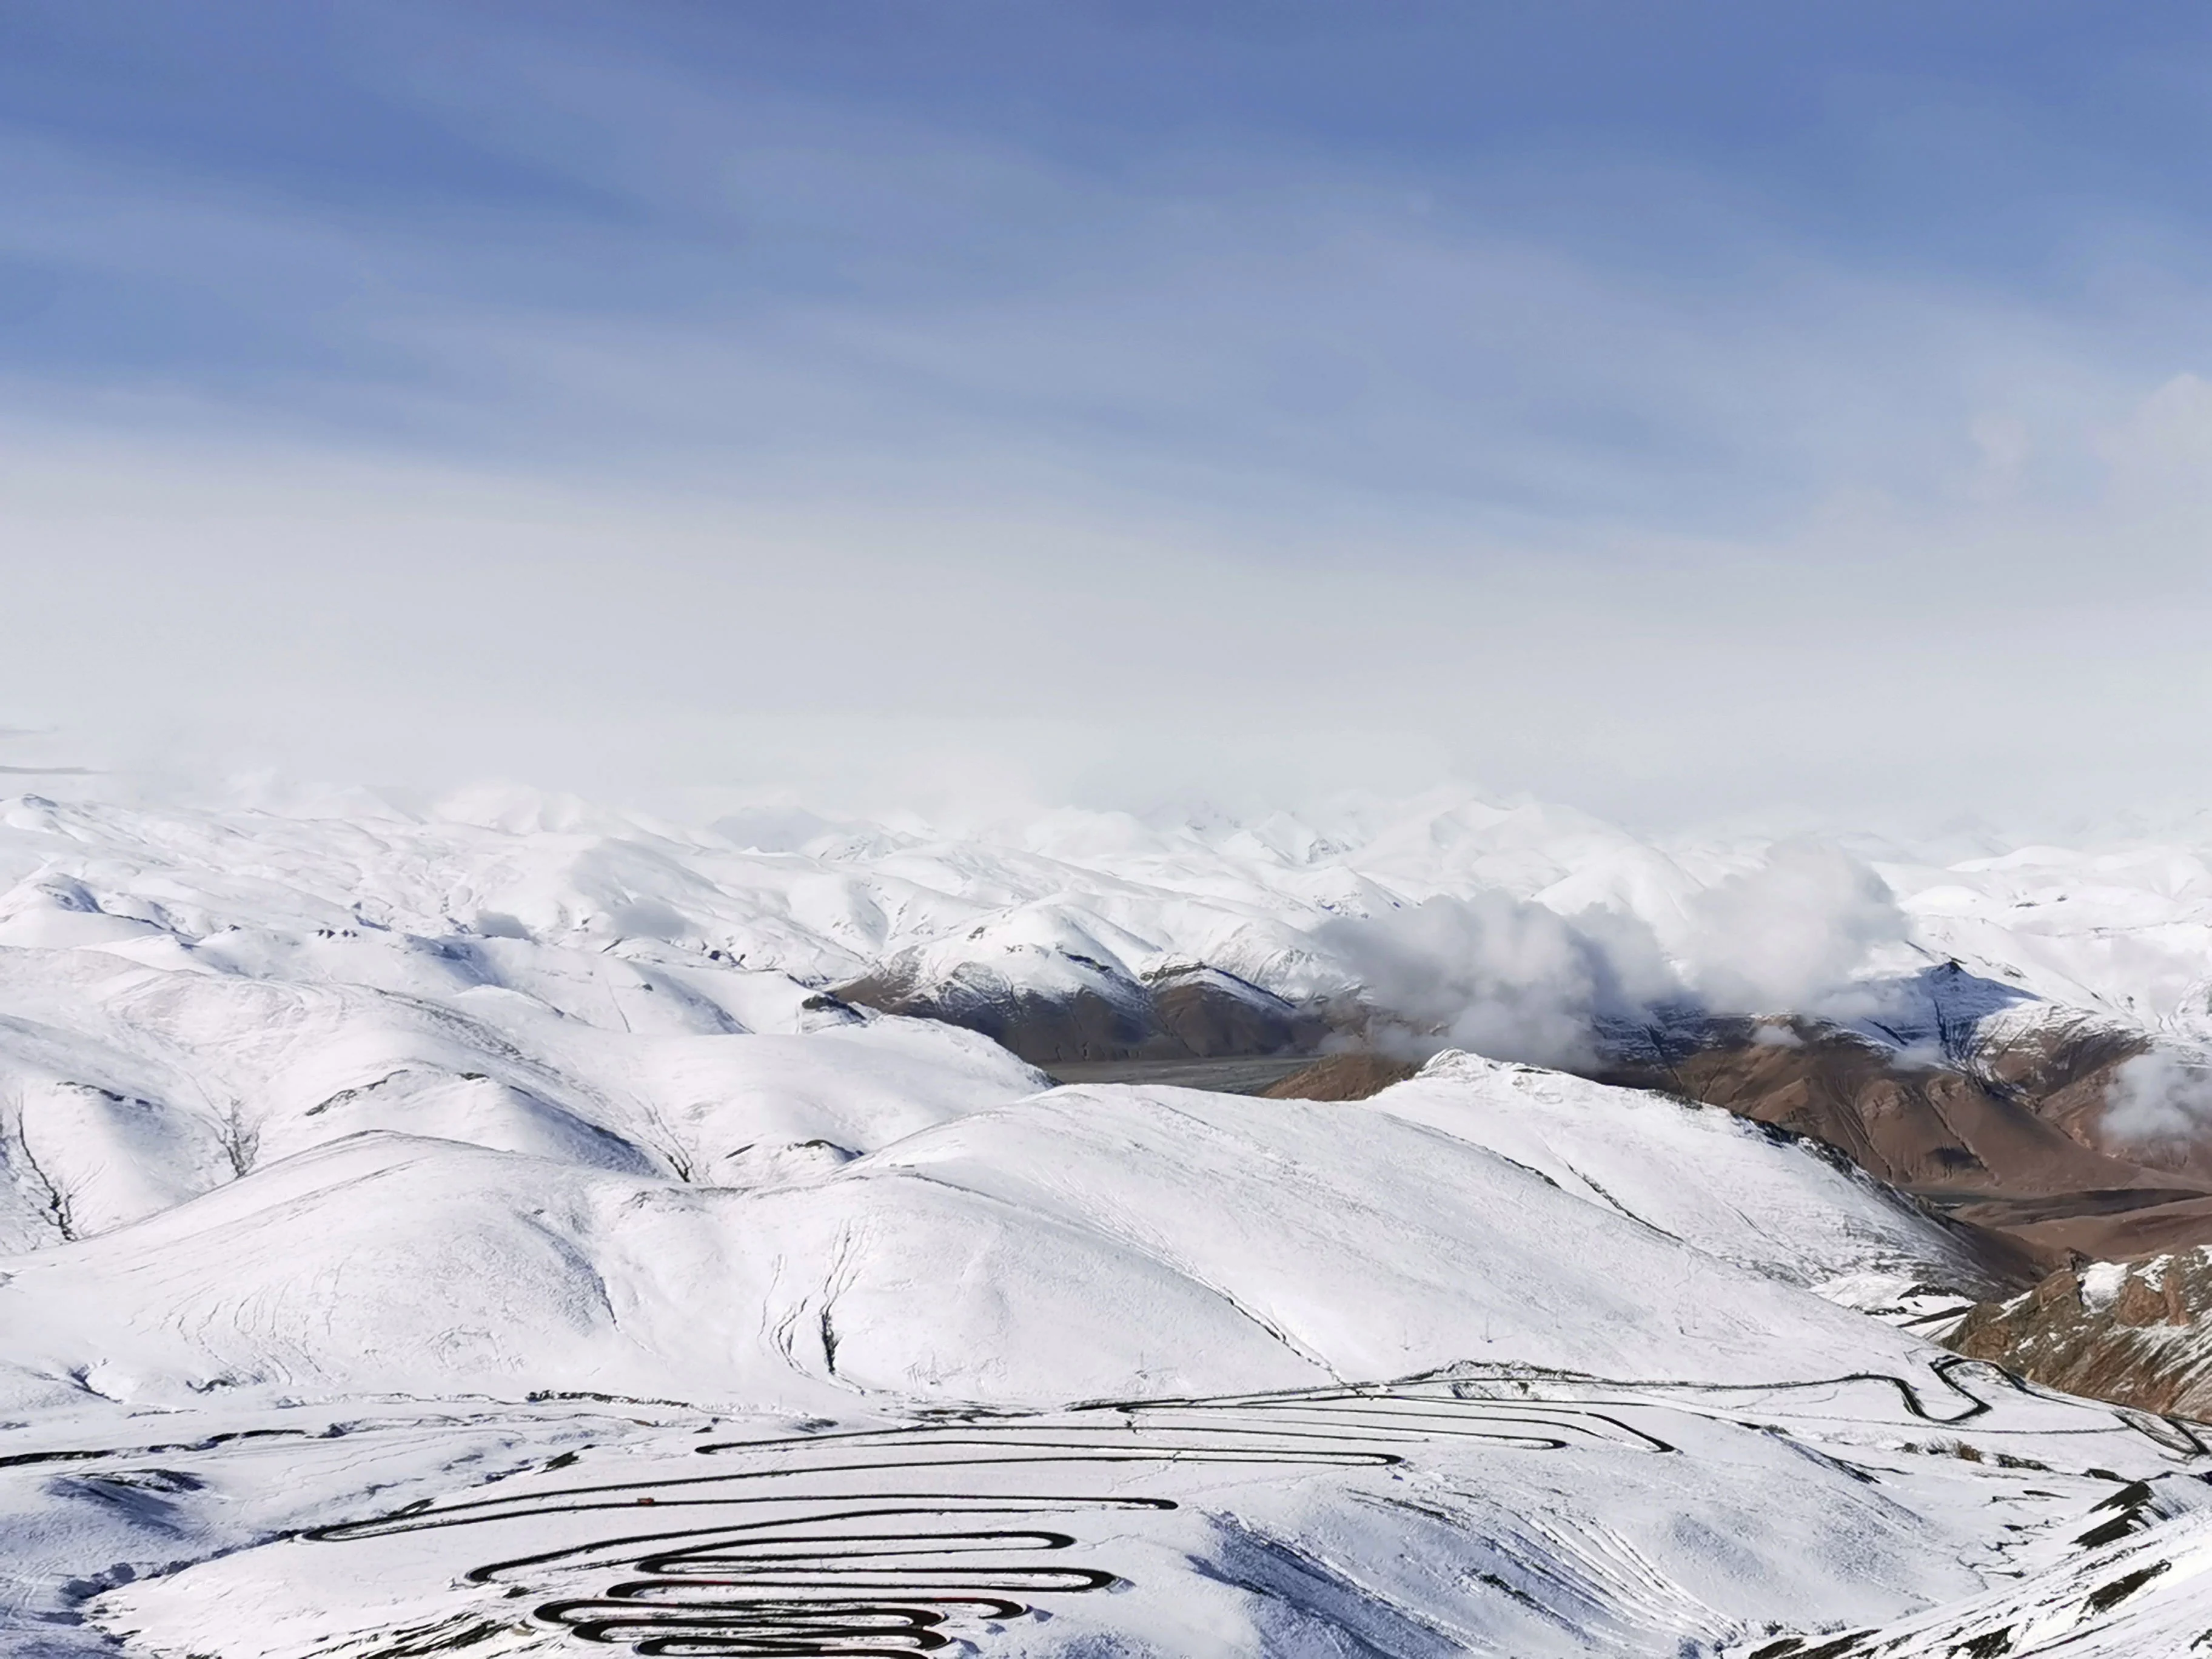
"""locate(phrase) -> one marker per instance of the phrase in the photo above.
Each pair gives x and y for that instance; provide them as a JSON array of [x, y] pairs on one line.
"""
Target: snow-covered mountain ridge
[[1083, 1243], [189, 991], [431, 1149], [1073, 897]]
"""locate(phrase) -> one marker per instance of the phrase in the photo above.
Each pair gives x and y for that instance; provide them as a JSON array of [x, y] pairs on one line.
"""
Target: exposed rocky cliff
[[2137, 1333]]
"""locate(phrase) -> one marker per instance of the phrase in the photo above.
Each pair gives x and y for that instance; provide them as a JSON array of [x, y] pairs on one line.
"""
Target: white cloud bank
[[1514, 980], [2161, 1096]]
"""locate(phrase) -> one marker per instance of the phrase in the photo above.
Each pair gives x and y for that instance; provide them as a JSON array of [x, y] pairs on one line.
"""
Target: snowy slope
[[1760, 1461], [1536, 1517], [386, 1132], [127, 1088], [1084, 1243], [2124, 930], [1717, 1182]]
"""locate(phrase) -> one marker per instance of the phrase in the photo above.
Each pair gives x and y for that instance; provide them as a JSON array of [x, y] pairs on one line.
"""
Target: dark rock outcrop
[[1214, 1014], [1097, 1013]]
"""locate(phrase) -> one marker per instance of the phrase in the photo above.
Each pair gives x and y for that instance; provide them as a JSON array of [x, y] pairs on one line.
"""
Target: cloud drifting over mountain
[[1516, 979]]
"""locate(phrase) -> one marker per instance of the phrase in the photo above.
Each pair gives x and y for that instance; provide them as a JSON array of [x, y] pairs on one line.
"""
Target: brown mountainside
[[2139, 1333]]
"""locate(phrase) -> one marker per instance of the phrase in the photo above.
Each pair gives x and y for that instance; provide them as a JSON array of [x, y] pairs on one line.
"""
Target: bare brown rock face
[[1915, 1123], [1213, 1014], [2139, 1333], [1342, 1077], [2064, 1066], [2008, 1135]]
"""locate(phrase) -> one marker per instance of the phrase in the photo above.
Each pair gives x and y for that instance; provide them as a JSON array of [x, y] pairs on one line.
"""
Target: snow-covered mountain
[[1081, 1243], [516, 1173], [1072, 900]]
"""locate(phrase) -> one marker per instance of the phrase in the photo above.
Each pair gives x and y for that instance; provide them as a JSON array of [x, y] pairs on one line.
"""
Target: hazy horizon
[[1680, 419]]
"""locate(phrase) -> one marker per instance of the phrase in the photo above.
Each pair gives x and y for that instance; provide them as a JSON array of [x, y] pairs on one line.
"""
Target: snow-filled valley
[[512, 1226]]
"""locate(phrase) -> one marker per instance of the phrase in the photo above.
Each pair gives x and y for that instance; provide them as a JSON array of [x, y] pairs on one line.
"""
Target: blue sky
[[1654, 406]]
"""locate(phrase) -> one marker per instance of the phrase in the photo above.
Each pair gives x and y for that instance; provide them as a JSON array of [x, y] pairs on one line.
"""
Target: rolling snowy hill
[[517, 1155]]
